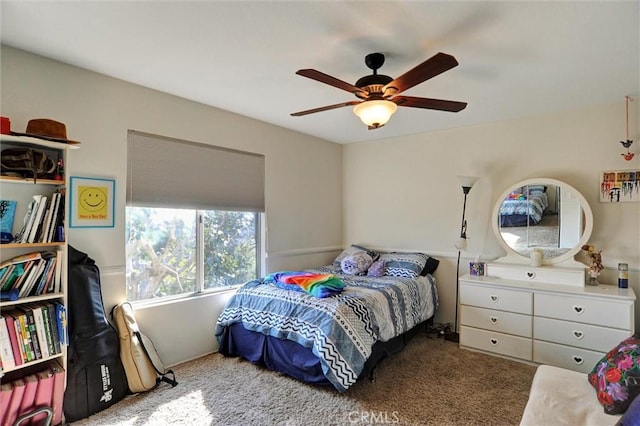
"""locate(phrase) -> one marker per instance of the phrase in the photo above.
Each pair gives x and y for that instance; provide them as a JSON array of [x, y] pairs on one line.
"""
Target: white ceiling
[[516, 58]]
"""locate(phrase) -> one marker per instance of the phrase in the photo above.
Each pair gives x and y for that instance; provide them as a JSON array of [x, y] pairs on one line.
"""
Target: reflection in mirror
[[544, 216]]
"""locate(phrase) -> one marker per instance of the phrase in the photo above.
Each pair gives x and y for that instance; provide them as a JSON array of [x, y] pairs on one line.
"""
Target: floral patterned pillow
[[616, 377]]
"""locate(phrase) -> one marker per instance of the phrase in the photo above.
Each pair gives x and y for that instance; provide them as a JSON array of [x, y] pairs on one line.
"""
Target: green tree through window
[[162, 247]]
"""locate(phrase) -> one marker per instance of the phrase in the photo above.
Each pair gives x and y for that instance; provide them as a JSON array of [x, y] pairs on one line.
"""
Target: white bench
[[563, 397]]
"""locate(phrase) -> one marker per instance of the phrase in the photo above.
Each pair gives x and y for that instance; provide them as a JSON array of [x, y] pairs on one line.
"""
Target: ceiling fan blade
[[324, 108], [428, 103], [332, 81], [430, 68]]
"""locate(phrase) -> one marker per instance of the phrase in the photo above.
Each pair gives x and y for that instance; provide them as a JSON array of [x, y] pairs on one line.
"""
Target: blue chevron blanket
[[341, 329]]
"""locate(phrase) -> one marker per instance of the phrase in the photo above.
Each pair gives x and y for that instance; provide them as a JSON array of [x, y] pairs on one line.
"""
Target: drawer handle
[[493, 341], [578, 334], [493, 320], [494, 298], [577, 359], [578, 309], [531, 275]]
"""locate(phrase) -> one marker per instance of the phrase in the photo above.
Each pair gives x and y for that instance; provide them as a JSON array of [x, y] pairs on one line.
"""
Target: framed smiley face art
[[92, 202]]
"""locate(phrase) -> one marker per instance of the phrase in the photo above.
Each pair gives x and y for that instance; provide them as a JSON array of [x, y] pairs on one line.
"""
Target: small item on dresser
[[623, 275], [536, 257], [476, 268], [596, 263]]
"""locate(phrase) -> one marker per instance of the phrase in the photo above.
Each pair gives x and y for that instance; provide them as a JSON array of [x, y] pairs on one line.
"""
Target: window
[[163, 247], [193, 226]]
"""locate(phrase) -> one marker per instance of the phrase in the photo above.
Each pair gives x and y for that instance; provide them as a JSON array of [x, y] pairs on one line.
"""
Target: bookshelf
[[36, 290]]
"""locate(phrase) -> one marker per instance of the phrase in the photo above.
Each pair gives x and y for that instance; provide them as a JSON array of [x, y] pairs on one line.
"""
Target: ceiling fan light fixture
[[375, 113]]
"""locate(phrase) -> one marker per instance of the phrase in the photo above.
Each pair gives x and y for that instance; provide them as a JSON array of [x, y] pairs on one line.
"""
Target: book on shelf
[[23, 395], [41, 281], [54, 217], [48, 330], [23, 344], [7, 215], [53, 320], [58, 235], [40, 331], [18, 355], [17, 392], [11, 270], [58, 392], [21, 259], [36, 337], [46, 222], [23, 236], [29, 396], [10, 275], [32, 274], [6, 350], [31, 330], [29, 282], [6, 389], [37, 221], [44, 394], [55, 286], [61, 321], [23, 270]]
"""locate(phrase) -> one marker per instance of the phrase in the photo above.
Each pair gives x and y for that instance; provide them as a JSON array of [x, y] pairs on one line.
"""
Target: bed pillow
[[356, 264], [408, 265], [376, 269], [353, 249], [430, 267], [537, 189], [616, 377]]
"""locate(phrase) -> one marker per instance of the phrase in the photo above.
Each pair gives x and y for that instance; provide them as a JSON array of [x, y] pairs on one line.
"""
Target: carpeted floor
[[544, 235], [431, 382]]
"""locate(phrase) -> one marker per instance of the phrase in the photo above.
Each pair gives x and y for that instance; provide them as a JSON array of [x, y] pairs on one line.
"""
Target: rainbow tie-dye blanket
[[318, 285]]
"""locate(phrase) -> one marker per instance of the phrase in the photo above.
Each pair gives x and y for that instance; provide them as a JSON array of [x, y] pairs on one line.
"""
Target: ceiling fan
[[379, 93]]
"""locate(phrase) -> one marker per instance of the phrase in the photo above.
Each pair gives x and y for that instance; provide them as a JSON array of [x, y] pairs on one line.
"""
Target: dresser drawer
[[493, 320], [496, 298], [576, 334], [582, 360], [608, 313], [490, 341]]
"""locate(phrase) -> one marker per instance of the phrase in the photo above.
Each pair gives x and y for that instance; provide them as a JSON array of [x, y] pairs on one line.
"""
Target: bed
[[331, 340], [524, 206]]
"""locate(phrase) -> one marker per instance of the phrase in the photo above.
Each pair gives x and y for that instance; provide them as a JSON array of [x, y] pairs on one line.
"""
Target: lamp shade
[[461, 244], [375, 113], [468, 181]]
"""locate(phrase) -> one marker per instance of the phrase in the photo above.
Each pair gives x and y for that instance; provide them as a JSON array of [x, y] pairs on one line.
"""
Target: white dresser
[[569, 326]]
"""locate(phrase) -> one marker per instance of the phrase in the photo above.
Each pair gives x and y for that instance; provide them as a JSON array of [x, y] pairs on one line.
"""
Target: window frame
[[200, 289]]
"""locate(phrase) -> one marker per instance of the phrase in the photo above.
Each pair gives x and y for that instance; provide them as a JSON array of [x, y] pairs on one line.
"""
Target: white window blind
[[167, 172]]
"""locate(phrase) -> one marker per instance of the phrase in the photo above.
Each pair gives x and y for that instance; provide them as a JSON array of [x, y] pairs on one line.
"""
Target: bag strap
[[163, 375]]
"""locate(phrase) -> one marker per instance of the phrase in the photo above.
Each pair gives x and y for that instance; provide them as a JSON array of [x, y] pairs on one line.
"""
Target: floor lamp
[[467, 183]]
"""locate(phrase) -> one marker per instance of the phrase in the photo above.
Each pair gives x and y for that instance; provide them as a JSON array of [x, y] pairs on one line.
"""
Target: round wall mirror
[[544, 214]]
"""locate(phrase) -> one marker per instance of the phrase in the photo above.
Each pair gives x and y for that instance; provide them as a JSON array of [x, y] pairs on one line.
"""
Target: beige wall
[[404, 193], [99, 110]]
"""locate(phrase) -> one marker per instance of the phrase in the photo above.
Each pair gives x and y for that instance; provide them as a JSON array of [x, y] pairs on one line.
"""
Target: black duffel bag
[[95, 376]]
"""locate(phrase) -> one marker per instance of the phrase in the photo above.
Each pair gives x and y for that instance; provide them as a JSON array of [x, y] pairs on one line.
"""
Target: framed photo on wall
[[92, 202], [620, 186]]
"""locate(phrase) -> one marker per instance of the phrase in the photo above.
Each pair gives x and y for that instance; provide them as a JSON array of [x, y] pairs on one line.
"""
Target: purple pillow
[[376, 269]]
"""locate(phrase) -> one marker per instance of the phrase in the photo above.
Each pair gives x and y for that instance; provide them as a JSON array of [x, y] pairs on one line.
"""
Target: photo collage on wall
[[620, 186]]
